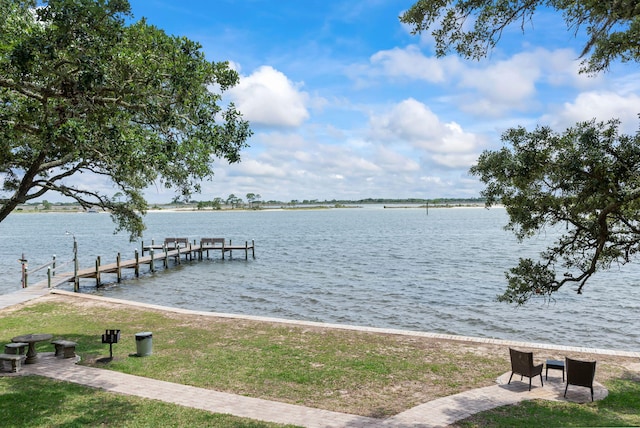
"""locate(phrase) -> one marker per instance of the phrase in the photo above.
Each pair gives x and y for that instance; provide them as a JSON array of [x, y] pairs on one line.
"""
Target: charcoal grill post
[[111, 337]]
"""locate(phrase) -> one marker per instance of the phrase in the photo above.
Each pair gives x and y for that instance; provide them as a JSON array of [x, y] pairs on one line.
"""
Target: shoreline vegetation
[[425, 204], [358, 372]]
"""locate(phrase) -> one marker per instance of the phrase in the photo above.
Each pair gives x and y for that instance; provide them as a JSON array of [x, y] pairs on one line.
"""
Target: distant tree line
[[255, 201], [437, 201]]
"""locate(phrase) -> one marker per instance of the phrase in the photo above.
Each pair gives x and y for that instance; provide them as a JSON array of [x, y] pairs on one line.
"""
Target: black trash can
[[144, 344]]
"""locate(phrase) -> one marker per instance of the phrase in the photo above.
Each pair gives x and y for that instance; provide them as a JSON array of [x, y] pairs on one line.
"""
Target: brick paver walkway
[[184, 395]]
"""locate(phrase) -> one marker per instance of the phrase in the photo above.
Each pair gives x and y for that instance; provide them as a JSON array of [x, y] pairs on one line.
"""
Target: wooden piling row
[[170, 249]]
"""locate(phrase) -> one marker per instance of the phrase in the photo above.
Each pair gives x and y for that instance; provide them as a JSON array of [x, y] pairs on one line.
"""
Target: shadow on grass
[[619, 408], [34, 401], [30, 401], [91, 347]]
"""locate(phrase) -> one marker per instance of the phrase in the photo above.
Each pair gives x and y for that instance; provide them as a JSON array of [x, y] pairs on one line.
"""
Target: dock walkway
[[172, 249]]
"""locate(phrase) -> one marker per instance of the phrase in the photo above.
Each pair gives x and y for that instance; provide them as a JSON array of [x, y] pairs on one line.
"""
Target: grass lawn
[[369, 374], [34, 401], [620, 408]]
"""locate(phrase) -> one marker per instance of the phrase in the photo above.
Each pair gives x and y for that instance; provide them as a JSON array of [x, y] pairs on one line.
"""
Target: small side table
[[554, 365]]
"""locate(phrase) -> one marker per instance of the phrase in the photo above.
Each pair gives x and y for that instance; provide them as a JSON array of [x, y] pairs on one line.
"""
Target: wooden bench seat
[[175, 243], [65, 348], [15, 360], [207, 244]]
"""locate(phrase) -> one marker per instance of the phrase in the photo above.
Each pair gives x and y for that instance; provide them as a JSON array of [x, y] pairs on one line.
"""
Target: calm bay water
[[395, 268]]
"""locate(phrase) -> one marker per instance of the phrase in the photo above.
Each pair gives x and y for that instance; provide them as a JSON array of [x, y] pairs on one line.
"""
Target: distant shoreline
[[76, 209]]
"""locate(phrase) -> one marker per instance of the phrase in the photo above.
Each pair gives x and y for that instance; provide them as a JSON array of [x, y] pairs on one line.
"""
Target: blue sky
[[345, 103]]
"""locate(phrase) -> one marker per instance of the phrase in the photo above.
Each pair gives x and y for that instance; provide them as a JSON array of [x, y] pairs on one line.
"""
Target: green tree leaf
[[82, 91], [584, 181], [473, 27]]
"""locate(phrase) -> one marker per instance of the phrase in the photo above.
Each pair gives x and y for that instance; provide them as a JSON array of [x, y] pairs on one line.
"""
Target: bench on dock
[[15, 360], [207, 244], [175, 243], [219, 244], [181, 248], [64, 348], [211, 244]]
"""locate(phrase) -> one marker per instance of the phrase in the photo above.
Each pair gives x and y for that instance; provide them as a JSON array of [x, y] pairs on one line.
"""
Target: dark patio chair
[[580, 373], [522, 364]]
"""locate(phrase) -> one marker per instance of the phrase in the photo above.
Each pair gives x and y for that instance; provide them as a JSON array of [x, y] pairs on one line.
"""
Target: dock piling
[[187, 249], [118, 271], [98, 271], [137, 265]]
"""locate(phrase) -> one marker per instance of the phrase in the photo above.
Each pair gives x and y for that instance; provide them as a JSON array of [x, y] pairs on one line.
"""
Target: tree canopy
[[584, 181], [473, 27], [83, 88]]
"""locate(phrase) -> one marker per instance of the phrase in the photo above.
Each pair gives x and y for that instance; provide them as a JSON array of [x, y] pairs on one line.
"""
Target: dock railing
[[50, 265], [171, 248]]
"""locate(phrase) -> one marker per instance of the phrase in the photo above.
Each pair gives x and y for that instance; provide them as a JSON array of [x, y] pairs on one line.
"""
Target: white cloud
[[391, 160], [410, 62], [507, 82], [456, 160], [599, 105], [258, 168], [414, 123], [287, 141], [512, 84], [269, 98], [489, 88]]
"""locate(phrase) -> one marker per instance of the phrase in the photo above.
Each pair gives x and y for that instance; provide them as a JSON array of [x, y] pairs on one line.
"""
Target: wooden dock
[[172, 249]]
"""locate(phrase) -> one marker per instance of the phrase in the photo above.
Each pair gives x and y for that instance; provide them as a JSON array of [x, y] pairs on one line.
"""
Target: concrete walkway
[[24, 294], [437, 413]]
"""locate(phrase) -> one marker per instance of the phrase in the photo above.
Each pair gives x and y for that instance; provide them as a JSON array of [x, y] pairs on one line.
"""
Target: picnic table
[[32, 339]]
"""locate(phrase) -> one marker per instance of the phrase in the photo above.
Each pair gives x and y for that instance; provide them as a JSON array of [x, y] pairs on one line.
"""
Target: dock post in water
[[215, 244], [25, 275], [118, 270], [98, 271], [137, 265], [76, 280]]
